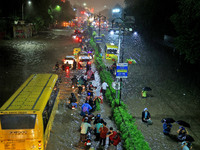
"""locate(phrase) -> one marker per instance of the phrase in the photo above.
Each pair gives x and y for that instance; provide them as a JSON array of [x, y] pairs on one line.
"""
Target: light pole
[[29, 3], [118, 61]]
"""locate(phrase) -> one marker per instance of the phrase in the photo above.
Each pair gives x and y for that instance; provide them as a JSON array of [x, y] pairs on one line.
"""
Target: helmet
[[86, 119], [98, 115]]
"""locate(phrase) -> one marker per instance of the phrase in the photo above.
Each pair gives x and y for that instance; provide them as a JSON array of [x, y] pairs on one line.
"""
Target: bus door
[[20, 131]]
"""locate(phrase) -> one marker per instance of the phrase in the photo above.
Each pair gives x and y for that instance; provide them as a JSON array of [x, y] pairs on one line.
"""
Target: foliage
[[187, 25]]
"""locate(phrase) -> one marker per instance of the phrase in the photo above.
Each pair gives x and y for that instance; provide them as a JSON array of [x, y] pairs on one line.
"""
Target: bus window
[[18, 121], [111, 51], [49, 107]]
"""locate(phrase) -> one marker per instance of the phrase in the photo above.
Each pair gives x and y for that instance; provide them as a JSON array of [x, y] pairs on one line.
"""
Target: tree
[[187, 25]]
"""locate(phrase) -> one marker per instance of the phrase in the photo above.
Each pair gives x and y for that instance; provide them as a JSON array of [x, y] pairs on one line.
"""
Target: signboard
[[122, 70], [98, 39], [116, 85]]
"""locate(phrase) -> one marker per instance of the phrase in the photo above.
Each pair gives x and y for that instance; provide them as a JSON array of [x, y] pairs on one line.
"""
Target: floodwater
[[19, 58], [173, 94], [22, 57]]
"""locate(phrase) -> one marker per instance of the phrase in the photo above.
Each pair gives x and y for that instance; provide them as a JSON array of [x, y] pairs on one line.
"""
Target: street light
[[84, 4], [29, 3]]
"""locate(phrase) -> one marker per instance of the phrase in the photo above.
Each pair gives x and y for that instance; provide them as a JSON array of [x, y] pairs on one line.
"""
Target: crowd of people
[[100, 130], [182, 132], [90, 124]]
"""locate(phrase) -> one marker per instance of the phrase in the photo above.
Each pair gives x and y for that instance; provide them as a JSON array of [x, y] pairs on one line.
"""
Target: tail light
[[80, 40], [89, 63], [107, 55], [39, 145]]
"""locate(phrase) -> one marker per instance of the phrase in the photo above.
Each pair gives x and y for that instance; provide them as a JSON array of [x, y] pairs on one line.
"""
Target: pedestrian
[[185, 145], [88, 66], [80, 89], [74, 65], [166, 128], [97, 132], [144, 94], [85, 81], [103, 132], [57, 66], [114, 137], [74, 81], [63, 67], [182, 132], [104, 87], [84, 128], [98, 118], [146, 117]]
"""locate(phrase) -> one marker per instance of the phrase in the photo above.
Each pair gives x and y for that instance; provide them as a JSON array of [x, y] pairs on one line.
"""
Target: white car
[[83, 60], [69, 59], [84, 53]]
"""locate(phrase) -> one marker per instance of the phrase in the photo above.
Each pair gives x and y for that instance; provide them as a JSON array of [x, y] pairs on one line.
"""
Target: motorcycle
[[88, 142]]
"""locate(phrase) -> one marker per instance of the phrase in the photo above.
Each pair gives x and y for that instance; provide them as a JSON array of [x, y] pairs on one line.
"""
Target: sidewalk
[[65, 131]]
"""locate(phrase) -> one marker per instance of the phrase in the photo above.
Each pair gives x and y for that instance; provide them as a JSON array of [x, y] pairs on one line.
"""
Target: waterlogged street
[[173, 94], [22, 57]]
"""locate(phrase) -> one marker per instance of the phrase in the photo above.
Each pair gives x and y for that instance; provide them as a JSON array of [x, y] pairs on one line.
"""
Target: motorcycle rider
[[73, 101], [74, 81], [57, 66]]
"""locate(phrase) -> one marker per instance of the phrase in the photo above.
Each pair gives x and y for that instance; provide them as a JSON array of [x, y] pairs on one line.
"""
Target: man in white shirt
[[104, 87]]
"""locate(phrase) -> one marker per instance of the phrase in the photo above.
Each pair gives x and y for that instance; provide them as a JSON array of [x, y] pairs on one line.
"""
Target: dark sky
[[98, 4]]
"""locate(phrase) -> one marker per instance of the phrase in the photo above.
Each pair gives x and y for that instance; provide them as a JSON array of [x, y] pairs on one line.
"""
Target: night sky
[[98, 5]]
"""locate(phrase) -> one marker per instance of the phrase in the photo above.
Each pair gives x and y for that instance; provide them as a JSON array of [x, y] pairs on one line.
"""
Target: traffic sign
[[98, 39], [116, 85], [122, 70]]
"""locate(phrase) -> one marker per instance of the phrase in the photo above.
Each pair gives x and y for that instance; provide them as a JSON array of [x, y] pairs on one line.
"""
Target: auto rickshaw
[[76, 51]]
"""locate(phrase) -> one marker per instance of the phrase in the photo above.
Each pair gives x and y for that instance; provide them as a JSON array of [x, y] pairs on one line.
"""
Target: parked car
[[69, 59]]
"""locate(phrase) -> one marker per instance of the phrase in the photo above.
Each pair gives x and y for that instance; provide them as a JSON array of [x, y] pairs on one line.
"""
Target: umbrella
[[183, 123], [147, 89], [189, 138], [168, 120]]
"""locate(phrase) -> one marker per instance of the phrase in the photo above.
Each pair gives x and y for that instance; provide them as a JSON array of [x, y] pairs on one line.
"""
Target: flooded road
[[19, 58], [22, 57], [173, 93]]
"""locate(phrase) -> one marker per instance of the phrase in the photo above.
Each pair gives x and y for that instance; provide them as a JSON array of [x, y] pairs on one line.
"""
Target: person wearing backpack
[[85, 108]]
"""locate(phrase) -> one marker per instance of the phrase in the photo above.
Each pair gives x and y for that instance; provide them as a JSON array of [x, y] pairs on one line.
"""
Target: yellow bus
[[111, 51], [26, 118]]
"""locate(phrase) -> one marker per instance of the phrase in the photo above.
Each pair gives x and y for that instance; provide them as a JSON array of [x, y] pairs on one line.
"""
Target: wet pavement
[[173, 94], [65, 132]]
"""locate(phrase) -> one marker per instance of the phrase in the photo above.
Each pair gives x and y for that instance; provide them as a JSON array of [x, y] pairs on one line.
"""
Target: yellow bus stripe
[[20, 92]]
